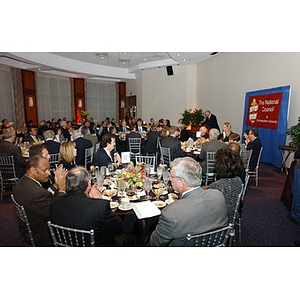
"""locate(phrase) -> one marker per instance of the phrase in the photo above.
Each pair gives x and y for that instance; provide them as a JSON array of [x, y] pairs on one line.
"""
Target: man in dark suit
[[35, 199], [81, 145], [139, 126], [77, 209], [51, 145], [255, 145], [197, 211], [173, 143], [123, 128], [151, 145], [212, 146], [32, 137], [7, 147], [106, 154], [65, 131], [210, 120]]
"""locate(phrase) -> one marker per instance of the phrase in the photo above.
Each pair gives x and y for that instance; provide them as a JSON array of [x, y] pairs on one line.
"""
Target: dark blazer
[[123, 129], [36, 201], [65, 132], [52, 146], [174, 145], [81, 145], [211, 122], [102, 159], [76, 210], [66, 165], [152, 142], [143, 128], [8, 148], [255, 145], [28, 138]]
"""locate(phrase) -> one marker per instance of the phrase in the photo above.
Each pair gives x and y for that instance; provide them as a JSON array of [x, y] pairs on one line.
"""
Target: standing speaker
[[170, 70]]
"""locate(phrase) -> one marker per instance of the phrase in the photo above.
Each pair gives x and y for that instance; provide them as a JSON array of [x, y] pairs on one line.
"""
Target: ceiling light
[[178, 54]]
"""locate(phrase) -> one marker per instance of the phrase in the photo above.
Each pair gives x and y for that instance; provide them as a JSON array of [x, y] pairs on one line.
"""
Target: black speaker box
[[170, 70]]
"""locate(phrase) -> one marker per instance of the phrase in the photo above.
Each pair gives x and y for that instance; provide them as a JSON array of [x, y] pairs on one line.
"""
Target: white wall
[[224, 80], [162, 96]]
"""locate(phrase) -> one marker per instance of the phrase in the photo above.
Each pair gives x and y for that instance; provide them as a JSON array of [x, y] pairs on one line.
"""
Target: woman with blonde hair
[[224, 136], [67, 155]]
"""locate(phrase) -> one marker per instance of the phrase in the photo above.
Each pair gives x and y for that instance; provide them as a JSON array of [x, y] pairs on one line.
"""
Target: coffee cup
[[125, 203]]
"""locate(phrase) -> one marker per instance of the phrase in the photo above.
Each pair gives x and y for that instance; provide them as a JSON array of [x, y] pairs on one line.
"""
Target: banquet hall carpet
[[264, 219]]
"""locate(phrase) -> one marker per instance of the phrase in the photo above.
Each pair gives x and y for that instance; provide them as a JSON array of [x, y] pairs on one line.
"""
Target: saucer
[[125, 209], [113, 205], [159, 204], [169, 201]]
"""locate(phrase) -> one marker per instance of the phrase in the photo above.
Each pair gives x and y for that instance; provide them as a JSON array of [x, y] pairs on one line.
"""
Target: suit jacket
[[65, 132], [28, 138], [8, 148], [143, 128], [151, 147], [36, 201], [211, 122], [81, 145], [255, 145], [174, 145], [196, 212], [211, 146], [101, 158], [92, 138], [52, 146], [76, 210]]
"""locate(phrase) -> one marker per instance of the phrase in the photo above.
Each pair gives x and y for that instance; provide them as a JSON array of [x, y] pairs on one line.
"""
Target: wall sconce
[[79, 103], [30, 99]]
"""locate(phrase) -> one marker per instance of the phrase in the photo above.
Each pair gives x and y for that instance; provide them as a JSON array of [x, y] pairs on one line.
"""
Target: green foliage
[[294, 133], [194, 117]]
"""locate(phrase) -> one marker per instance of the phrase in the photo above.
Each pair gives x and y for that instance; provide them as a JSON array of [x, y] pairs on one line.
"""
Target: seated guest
[[7, 147], [165, 132], [229, 167], [212, 146], [35, 199], [50, 144], [86, 134], [235, 147], [224, 136], [65, 130], [139, 126], [197, 211], [58, 135], [81, 145], [123, 128], [106, 154], [235, 137], [32, 137], [82, 208], [151, 146], [103, 130], [67, 155], [173, 143], [246, 137], [5, 124], [255, 145], [39, 149]]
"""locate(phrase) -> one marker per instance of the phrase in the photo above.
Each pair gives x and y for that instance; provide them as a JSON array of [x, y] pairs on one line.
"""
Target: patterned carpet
[[264, 219]]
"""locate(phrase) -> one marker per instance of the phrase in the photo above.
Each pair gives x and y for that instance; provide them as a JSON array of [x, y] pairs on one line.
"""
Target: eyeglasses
[[44, 170]]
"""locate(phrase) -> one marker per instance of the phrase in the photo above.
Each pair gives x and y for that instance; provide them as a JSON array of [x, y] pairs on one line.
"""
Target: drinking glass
[[159, 172], [111, 168], [100, 180], [121, 187], [148, 169], [147, 187], [166, 177], [103, 171]]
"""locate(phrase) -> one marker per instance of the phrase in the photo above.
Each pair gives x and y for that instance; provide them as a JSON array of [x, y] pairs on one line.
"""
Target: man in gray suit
[[212, 146], [197, 211]]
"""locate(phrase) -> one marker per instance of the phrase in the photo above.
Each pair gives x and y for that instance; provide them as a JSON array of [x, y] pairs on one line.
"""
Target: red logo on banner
[[263, 110]]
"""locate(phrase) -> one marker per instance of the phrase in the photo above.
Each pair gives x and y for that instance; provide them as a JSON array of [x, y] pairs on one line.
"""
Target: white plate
[[125, 209], [169, 201], [113, 205], [159, 204], [164, 193]]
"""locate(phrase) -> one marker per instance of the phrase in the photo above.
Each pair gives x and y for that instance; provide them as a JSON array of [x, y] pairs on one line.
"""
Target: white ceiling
[[116, 66]]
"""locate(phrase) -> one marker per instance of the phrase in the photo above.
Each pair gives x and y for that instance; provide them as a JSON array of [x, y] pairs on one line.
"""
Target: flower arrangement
[[83, 114], [134, 175]]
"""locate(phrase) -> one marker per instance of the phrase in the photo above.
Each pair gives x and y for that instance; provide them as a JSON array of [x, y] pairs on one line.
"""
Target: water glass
[[166, 177], [148, 169], [159, 172], [147, 187], [103, 171]]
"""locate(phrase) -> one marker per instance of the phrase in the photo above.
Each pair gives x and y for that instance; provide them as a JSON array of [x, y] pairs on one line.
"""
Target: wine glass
[[147, 187], [166, 177], [159, 172], [148, 169]]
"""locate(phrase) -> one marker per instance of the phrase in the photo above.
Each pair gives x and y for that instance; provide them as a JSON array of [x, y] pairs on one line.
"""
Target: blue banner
[[271, 138]]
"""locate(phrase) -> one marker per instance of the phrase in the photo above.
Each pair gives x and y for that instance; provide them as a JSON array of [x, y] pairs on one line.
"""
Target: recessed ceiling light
[[178, 54], [145, 59]]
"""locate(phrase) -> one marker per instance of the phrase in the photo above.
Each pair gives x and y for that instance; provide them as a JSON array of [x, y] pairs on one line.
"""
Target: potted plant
[[294, 133], [193, 118]]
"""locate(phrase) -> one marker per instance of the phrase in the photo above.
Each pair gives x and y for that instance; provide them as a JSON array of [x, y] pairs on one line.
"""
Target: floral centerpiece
[[134, 175]]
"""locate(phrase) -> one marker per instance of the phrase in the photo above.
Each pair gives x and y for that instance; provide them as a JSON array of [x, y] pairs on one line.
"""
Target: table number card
[[125, 157]]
